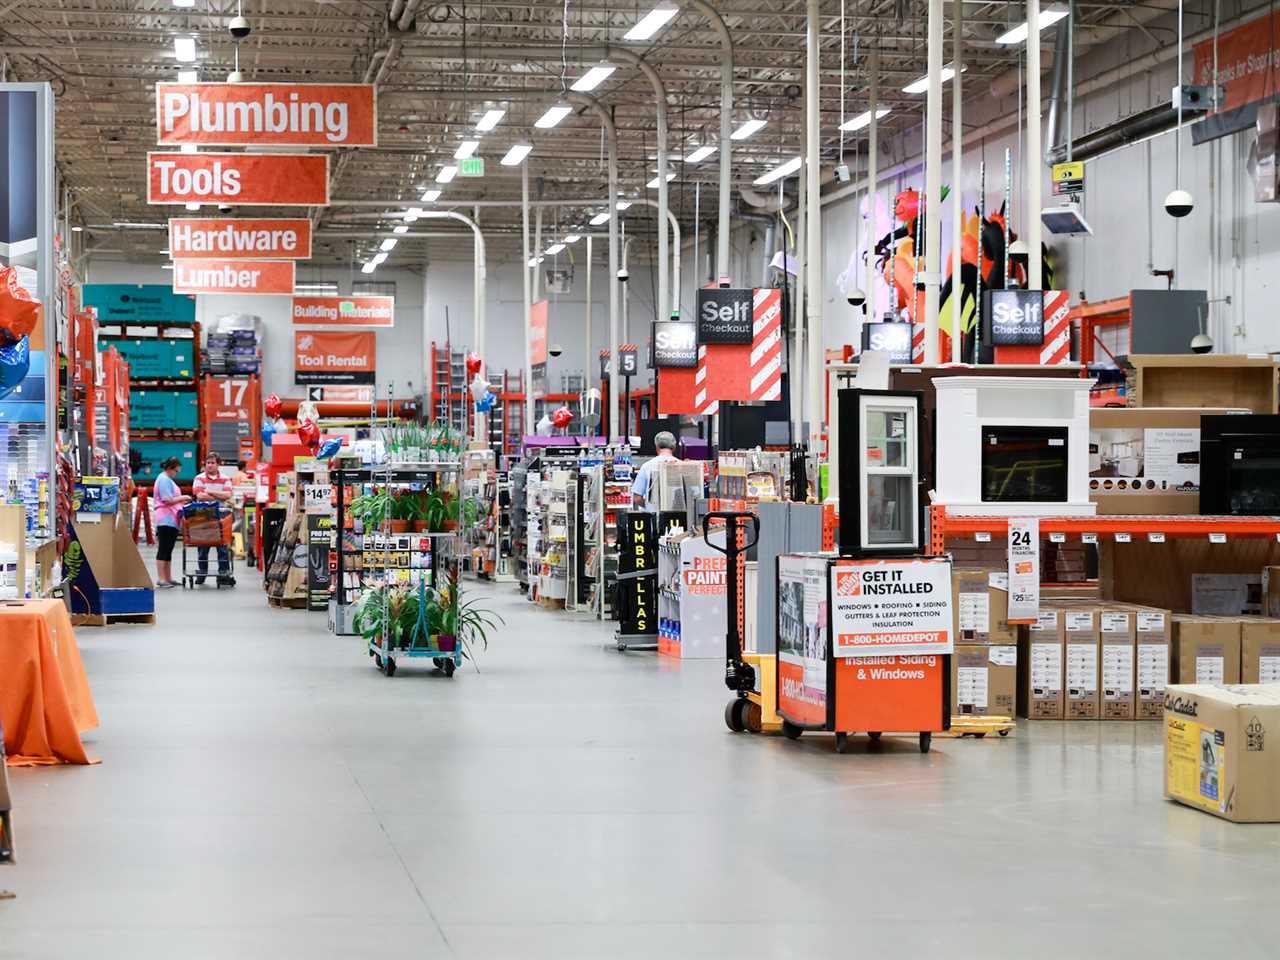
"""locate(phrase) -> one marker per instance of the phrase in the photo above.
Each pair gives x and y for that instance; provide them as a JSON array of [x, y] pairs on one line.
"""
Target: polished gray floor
[[264, 793]]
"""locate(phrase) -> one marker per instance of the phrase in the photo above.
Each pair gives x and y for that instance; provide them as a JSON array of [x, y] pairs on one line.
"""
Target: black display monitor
[[1024, 464], [651, 428]]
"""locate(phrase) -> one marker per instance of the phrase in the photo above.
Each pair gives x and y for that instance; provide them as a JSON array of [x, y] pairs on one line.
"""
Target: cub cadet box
[[1259, 650], [1206, 649], [1040, 667], [1080, 636], [1222, 750], [984, 680]]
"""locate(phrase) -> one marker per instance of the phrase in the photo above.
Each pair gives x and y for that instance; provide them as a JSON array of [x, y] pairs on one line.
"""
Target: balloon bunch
[[19, 312], [272, 424], [486, 403]]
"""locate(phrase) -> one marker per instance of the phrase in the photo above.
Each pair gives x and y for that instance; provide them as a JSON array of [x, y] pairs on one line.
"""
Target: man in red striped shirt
[[212, 485]]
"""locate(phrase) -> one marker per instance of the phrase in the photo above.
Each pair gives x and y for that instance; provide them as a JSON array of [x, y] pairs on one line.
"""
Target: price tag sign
[[1057, 538], [1123, 538], [1155, 538], [982, 537], [1024, 569], [1088, 538], [1217, 538], [315, 498]]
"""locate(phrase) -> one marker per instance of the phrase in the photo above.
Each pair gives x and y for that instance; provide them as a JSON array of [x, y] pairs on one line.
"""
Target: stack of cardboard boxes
[[984, 668], [1226, 650]]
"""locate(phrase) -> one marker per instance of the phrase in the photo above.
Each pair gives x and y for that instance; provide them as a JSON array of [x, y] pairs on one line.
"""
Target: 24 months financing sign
[[891, 607]]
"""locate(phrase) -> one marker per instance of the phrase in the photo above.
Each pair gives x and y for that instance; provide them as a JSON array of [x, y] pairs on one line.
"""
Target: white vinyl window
[[888, 463]]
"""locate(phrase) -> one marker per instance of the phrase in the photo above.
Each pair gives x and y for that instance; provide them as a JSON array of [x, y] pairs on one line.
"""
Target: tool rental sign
[[334, 356]]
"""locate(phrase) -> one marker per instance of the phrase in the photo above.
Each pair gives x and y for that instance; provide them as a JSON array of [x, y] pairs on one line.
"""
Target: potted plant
[[371, 509], [458, 620], [378, 615], [405, 511]]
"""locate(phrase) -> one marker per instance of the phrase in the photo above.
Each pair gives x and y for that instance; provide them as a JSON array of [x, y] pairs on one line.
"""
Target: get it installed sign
[[260, 179], [233, 276], [281, 114], [344, 311], [891, 607], [333, 356]]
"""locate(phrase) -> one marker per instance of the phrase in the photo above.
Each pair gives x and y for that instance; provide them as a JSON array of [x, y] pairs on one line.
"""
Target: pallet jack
[[749, 709]]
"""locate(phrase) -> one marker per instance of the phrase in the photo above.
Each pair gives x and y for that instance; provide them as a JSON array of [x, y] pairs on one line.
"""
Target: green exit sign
[[471, 167]]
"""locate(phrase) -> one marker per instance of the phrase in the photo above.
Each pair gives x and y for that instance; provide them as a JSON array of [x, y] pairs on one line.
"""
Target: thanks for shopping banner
[[1248, 62], [334, 356]]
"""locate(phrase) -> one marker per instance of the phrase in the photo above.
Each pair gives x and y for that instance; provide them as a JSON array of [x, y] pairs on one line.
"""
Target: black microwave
[[1240, 465]]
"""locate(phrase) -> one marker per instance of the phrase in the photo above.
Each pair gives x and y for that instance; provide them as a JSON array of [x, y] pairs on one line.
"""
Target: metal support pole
[[873, 173], [528, 300], [957, 224], [726, 129], [813, 227], [798, 361], [1034, 159], [933, 186], [587, 368]]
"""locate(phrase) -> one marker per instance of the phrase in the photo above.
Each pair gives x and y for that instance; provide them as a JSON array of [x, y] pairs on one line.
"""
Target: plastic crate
[[147, 455], [150, 409], [186, 410]]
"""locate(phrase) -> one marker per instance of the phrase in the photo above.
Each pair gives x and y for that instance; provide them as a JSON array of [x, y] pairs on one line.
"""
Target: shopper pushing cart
[[211, 526]]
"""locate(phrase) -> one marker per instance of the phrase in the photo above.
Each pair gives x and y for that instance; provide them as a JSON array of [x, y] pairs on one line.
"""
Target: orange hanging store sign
[[260, 179], [233, 276], [252, 114], [1248, 60], [242, 239], [344, 311], [334, 356]]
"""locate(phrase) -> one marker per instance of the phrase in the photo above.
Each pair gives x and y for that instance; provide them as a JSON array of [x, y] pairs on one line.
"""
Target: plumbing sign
[[281, 114]]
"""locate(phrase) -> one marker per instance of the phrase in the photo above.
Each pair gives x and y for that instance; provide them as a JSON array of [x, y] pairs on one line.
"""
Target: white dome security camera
[[855, 296], [235, 76], [623, 275], [239, 27], [225, 208], [1201, 343], [1179, 203], [555, 350]]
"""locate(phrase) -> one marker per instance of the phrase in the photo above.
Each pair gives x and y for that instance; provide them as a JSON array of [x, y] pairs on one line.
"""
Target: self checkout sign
[[1017, 318], [675, 344], [725, 316]]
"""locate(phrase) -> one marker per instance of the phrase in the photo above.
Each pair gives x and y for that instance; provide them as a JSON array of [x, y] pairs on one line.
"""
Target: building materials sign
[[344, 311], [258, 179], [725, 316], [891, 607], [331, 356], [241, 239], [233, 276], [252, 114]]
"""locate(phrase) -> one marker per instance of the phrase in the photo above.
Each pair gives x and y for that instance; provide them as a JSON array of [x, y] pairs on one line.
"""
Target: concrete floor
[[265, 793]]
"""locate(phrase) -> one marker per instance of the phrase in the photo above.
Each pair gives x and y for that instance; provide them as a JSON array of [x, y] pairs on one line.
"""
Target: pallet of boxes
[[984, 669]]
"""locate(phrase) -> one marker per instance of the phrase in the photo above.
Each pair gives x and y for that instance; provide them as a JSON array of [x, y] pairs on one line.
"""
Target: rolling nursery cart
[[207, 524]]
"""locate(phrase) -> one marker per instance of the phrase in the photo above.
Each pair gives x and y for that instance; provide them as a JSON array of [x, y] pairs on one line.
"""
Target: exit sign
[[471, 167]]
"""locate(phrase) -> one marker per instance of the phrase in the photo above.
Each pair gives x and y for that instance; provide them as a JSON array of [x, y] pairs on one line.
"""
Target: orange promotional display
[[344, 311], [282, 114], [258, 179], [1245, 59], [332, 356], [242, 239], [233, 276]]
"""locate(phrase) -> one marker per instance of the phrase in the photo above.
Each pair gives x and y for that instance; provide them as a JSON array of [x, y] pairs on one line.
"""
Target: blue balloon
[[15, 363], [329, 448], [268, 431], [486, 403]]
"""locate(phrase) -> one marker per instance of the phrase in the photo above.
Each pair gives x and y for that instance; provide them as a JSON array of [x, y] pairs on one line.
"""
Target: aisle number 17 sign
[[891, 608]]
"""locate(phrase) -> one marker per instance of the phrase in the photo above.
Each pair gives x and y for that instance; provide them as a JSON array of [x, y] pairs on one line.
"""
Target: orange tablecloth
[[45, 703]]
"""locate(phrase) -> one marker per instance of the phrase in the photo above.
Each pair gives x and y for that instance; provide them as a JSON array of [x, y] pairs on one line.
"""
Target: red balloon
[[272, 406], [562, 417], [473, 364], [309, 434], [18, 309]]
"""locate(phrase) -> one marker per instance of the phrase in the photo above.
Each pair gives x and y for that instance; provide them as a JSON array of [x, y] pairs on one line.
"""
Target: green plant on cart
[[378, 614], [407, 506], [468, 620], [372, 509]]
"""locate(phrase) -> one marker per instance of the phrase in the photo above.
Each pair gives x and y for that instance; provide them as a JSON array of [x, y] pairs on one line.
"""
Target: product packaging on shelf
[[1080, 633], [1221, 751], [1153, 630], [982, 606], [1040, 667], [1226, 594], [1259, 650], [1206, 650], [1116, 636], [984, 680]]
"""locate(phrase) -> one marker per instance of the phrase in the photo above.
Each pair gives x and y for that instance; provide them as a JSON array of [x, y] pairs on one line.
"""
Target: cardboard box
[[1153, 640], [982, 606], [1259, 650], [1226, 594], [1116, 638], [1080, 636], [1221, 751], [1206, 650], [106, 571], [1271, 591], [984, 680], [1040, 673]]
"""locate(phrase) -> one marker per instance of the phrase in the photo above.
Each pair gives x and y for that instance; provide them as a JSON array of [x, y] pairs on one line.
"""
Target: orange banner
[[333, 356], [251, 114], [233, 276], [242, 239], [344, 311], [261, 179], [538, 332], [1247, 62]]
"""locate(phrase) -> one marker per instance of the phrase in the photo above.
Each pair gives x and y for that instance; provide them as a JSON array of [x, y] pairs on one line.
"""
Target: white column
[[1034, 161], [873, 174], [957, 206], [813, 229], [933, 185], [528, 298]]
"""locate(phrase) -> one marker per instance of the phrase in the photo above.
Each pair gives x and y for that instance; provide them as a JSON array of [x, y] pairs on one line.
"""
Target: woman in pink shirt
[[169, 501]]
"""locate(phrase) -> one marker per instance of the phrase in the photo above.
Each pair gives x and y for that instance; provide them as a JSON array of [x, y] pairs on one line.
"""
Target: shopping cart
[[206, 524]]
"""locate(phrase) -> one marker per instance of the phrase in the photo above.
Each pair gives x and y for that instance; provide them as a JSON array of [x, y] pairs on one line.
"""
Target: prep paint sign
[[1024, 569], [252, 114], [330, 356], [257, 179], [233, 276], [891, 607], [344, 311], [241, 239]]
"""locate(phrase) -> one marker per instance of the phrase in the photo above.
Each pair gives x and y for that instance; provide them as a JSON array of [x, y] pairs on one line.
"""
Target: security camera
[[1201, 343], [235, 76], [855, 296], [623, 275], [1179, 203], [225, 208], [555, 350], [239, 27]]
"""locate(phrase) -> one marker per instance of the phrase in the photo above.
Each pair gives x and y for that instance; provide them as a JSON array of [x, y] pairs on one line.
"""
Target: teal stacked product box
[[181, 366], [149, 358], [150, 409], [147, 455], [186, 410]]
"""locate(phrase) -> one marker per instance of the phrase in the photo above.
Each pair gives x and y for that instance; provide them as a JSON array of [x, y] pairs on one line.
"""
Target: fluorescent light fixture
[[184, 49], [571, 238], [747, 129], [193, 206], [388, 244], [368, 267], [166, 252], [597, 75], [430, 196], [921, 85], [653, 184], [624, 204], [166, 266], [700, 154], [189, 148], [652, 22], [554, 249], [490, 120], [599, 218], [188, 76], [465, 149], [1019, 33], [402, 230], [778, 172], [864, 119], [446, 174], [80, 229], [184, 4], [515, 156], [379, 259], [412, 214], [553, 116]]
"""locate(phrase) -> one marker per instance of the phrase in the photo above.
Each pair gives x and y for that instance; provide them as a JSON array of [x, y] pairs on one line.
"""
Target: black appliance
[[651, 427], [1240, 465], [1024, 464], [742, 427]]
